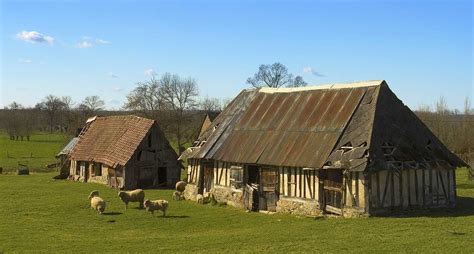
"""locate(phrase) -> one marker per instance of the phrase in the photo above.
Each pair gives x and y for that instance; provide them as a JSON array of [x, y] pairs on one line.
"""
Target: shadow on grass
[[464, 207], [112, 213]]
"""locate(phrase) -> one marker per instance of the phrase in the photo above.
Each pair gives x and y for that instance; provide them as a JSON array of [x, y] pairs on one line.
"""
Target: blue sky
[[422, 48]]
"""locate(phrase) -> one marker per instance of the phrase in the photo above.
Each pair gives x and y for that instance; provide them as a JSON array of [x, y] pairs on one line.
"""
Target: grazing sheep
[[181, 185], [153, 205], [97, 203], [137, 195], [178, 196]]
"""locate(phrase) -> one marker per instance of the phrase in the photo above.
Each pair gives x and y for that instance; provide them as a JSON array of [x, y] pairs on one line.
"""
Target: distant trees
[[91, 104], [275, 75], [145, 98], [52, 105], [210, 104], [178, 95], [454, 128], [168, 97]]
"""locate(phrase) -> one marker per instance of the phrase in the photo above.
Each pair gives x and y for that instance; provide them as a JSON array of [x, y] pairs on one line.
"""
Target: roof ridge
[[347, 85]]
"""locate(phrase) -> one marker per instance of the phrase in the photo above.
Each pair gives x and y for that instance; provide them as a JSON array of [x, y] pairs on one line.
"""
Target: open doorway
[[162, 176]]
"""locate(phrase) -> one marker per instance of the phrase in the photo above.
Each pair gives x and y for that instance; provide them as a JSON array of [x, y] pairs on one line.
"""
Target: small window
[[236, 176], [97, 169]]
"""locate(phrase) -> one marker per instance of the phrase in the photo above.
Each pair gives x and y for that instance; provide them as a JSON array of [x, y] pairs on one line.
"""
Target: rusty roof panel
[[290, 128], [274, 131], [224, 123]]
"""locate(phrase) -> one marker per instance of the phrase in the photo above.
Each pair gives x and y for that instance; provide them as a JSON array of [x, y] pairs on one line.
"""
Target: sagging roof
[[69, 147], [308, 127], [111, 140]]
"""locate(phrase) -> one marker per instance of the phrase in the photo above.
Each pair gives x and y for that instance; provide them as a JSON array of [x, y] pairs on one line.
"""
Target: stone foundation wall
[[190, 192], [298, 207], [228, 196], [352, 212]]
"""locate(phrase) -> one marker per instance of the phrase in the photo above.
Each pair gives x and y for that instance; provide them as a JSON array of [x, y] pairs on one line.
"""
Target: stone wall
[[228, 196], [353, 212], [298, 206], [190, 192]]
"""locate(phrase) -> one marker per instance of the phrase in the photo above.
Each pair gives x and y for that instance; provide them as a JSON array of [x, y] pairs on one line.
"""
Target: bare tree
[[53, 106], [91, 104], [210, 104], [145, 98], [178, 96], [68, 103], [275, 75], [298, 82]]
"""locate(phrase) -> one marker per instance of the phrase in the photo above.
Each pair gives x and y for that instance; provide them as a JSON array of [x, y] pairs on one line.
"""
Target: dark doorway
[[208, 176], [162, 176], [253, 173], [251, 190]]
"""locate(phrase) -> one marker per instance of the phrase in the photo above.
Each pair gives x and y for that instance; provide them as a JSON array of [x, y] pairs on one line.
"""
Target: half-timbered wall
[[355, 189], [222, 173], [193, 171], [296, 182], [406, 188]]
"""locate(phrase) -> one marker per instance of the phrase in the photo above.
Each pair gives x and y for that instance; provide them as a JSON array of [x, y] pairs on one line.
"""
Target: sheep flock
[[98, 204]]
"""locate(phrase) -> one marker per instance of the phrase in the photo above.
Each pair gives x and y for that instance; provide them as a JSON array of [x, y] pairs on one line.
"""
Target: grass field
[[37, 153], [39, 214]]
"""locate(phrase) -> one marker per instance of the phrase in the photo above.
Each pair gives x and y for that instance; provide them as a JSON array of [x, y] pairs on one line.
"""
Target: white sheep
[[153, 205], [178, 196], [97, 203], [181, 186], [137, 195]]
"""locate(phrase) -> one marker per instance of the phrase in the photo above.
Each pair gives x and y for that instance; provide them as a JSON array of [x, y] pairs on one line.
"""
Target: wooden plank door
[[269, 189]]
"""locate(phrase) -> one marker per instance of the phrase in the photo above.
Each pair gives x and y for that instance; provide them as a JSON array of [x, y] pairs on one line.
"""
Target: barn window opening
[[236, 176]]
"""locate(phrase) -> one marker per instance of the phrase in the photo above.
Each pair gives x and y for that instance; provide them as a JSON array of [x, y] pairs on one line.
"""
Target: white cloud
[[25, 61], [89, 42], [34, 37], [118, 89], [100, 41], [112, 75], [149, 72], [84, 45], [310, 70]]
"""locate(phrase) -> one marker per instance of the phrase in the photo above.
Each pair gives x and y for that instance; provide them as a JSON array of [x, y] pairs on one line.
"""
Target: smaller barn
[[64, 161], [124, 152]]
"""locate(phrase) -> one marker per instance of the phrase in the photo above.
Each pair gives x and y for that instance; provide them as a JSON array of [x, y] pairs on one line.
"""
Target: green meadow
[[37, 153], [39, 214]]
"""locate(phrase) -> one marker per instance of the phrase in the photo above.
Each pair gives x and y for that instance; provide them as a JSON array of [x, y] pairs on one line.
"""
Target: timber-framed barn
[[124, 152], [349, 149]]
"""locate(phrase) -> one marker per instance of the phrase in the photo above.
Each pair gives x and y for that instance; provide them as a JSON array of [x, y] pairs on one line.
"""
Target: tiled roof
[[111, 140]]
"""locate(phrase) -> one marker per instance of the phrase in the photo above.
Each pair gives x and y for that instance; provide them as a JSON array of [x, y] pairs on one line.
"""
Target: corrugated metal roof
[[111, 140], [68, 148], [329, 125], [289, 127]]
